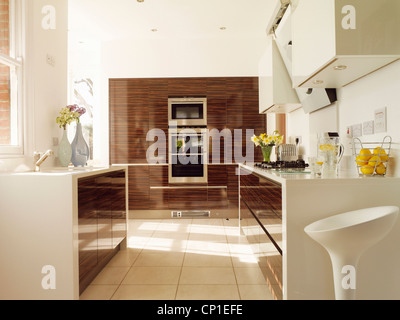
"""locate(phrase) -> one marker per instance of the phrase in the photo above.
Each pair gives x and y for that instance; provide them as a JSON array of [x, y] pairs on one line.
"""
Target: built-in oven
[[187, 111], [188, 155]]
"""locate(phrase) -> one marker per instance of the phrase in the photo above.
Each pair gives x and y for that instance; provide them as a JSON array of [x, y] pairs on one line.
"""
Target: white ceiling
[[107, 20]]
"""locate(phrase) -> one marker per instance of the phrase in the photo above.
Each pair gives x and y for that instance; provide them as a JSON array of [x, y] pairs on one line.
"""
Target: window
[[11, 133]]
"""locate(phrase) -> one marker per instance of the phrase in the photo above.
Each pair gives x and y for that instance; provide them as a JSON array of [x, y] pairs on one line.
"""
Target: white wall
[[358, 101], [45, 85], [50, 82]]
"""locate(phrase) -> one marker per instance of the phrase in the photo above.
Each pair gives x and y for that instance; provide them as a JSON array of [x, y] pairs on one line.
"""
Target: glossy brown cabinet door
[[117, 193], [261, 214], [149, 189], [129, 118], [217, 187], [87, 227], [104, 216], [101, 222]]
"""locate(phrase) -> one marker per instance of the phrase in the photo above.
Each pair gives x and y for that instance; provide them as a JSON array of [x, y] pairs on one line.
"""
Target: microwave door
[[188, 112]]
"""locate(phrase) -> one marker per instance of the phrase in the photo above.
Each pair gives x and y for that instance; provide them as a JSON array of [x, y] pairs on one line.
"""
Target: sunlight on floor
[[182, 259]]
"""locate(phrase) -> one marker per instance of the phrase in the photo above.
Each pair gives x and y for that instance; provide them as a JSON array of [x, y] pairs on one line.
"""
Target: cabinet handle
[[191, 187]]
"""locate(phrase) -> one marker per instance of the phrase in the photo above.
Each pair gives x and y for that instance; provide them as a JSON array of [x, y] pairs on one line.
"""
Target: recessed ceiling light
[[154, 30], [318, 82], [341, 67], [140, 1], [222, 28]]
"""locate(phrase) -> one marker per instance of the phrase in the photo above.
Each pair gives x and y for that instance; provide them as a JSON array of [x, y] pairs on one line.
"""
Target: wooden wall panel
[[188, 199], [129, 120], [233, 186], [186, 87], [139, 187], [139, 105], [158, 115]]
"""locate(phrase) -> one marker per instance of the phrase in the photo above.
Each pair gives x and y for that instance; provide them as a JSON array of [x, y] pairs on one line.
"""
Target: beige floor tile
[[124, 258], [276, 292], [249, 276], [111, 275], [159, 259], [99, 292], [244, 260], [207, 275], [241, 248], [212, 238], [204, 247], [137, 241], [207, 292], [207, 260], [145, 292], [165, 244], [153, 275], [207, 222], [181, 226], [207, 230], [170, 235], [255, 292]]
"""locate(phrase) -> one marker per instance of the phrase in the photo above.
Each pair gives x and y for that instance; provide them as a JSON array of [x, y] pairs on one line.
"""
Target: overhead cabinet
[[275, 86], [336, 42]]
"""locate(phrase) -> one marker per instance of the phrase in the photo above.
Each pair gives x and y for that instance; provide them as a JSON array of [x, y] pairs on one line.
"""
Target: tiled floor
[[188, 259]]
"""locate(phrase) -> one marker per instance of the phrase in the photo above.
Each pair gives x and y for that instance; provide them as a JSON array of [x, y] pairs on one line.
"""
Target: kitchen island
[[58, 228], [306, 267]]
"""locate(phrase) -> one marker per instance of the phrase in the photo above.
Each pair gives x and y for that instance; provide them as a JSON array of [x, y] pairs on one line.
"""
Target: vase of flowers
[[80, 149], [65, 118], [266, 143]]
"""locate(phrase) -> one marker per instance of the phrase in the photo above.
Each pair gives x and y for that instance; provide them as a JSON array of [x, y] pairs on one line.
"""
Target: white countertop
[[78, 172], [343, 176]]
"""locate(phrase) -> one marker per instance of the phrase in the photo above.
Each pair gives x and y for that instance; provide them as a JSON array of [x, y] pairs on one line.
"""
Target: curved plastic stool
[[347, 236]]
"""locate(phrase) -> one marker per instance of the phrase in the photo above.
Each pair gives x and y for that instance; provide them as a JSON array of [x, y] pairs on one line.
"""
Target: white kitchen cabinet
[[336, 42], [275, 85]]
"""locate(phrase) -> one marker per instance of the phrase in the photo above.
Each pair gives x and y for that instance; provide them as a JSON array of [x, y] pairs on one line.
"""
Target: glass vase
[[80, 149], [266, 151], [64, 151]]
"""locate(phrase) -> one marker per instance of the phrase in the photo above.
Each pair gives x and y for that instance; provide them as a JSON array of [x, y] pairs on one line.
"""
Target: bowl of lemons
[[372, 157]]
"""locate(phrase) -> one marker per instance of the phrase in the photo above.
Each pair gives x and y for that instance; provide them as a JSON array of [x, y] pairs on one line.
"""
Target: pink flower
[[75, 108]]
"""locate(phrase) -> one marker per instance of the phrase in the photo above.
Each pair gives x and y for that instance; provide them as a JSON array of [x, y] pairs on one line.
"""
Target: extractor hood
[[311, 99], [275, 84]]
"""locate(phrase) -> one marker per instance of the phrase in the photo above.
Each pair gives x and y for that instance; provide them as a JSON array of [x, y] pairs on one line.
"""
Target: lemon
[[327, 147], [380, 169], [375, 160], [361, 161], [381, 153], [367, 170], [365, 154]]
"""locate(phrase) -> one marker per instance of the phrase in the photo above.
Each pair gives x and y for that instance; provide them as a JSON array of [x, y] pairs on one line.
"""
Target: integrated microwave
[[187, 112]]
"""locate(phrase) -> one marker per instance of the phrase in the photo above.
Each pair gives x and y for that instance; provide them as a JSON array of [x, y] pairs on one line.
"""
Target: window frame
[[15, 61]]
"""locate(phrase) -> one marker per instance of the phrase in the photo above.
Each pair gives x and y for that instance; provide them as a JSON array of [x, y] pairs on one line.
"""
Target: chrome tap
[[39, 159]]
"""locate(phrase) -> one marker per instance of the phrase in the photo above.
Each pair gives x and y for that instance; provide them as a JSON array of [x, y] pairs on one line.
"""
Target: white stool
[[348, 235]]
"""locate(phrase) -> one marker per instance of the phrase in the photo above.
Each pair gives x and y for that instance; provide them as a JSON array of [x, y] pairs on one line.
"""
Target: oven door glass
[[187, 167], [187, 143], [189, 111]]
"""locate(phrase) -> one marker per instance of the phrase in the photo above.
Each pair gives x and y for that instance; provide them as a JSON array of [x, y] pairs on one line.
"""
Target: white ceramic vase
[[64, 150]]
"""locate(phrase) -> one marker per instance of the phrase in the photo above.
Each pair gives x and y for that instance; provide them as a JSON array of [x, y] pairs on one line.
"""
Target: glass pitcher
[[331, 151]]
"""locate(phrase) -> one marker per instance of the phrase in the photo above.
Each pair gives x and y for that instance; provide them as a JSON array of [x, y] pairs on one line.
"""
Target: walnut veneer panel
[[138, 105], [129, 120], [139, 188]]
